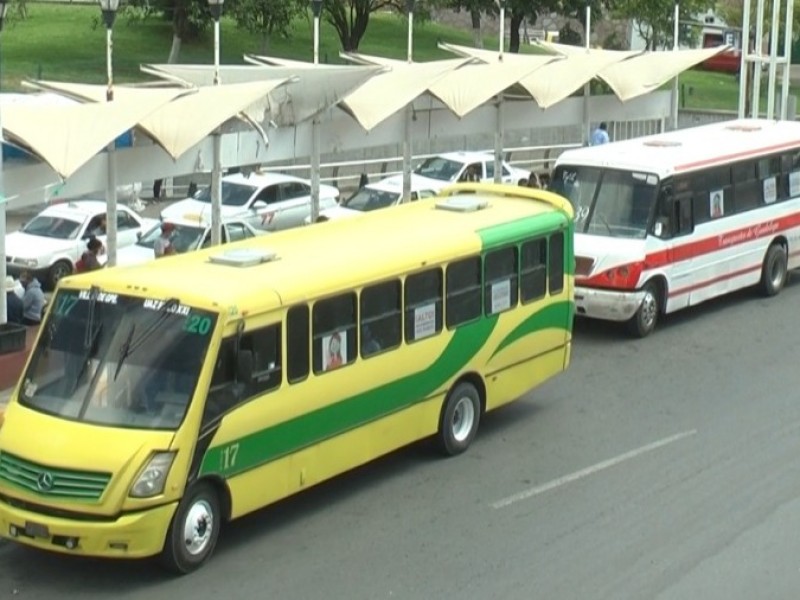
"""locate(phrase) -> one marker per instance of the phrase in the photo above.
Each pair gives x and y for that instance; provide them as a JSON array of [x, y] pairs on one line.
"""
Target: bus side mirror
[[244, 367]]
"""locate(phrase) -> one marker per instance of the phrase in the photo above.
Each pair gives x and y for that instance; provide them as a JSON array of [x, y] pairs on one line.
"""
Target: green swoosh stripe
[[557, 315]]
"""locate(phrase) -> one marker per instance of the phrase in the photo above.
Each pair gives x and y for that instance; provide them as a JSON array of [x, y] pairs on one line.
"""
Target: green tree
[[350, 18], [188, 17], [732, 12], [266, 17], [654, 19]]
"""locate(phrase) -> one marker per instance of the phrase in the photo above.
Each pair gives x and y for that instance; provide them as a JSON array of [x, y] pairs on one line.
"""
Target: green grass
[[66, 42]]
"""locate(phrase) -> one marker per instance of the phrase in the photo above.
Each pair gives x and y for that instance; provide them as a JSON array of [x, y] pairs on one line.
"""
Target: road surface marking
[[601, 466]]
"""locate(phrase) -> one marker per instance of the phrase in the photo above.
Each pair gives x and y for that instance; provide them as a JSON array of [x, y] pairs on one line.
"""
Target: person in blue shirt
[[600, 135]]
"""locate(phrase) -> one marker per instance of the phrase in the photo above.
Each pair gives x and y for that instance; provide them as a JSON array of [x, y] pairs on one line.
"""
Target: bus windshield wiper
[[124, 350], [131, 345]]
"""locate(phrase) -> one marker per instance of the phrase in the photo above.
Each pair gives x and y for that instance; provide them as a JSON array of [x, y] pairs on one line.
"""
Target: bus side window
[[663, 226], [423, 305], [501, 284], [224, 393], [381, 317], [682, 216], [334, 332], [297, 343], [265, 344], [533, 270], [463, 291], [555, 278]]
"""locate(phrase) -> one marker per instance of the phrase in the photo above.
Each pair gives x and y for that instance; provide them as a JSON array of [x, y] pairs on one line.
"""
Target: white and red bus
[[670, 220]]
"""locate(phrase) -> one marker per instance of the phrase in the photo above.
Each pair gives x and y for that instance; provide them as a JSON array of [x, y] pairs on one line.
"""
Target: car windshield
[[368, 198], [60, 228], [184, 238], [438, 167], [233, 194], [116, 360], [609, 202]]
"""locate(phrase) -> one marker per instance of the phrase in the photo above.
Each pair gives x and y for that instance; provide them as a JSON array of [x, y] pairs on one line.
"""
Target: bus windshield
[[609, 202], [118, 361]]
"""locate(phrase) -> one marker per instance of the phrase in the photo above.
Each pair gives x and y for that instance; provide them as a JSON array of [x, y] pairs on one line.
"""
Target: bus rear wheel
[[774, 271], [458, 423], [194, 530], [644, 321]]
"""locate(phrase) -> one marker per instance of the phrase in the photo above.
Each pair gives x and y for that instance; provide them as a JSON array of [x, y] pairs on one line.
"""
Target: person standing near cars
[[600, 135], [13, 302], [163, 245], [90, 260], [33, 301]]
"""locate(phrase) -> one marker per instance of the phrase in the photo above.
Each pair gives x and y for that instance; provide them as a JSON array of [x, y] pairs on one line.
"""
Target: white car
[[187, 235], [383, 193], [453, 167], [269, 201], [51, 243]]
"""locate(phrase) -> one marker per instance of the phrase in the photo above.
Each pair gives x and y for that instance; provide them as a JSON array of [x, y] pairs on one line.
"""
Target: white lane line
[[606, 464]]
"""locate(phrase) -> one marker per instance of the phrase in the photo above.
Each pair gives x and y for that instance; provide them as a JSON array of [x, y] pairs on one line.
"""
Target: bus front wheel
[[459, 420], [644, 321], [774, 271], [194, 530]]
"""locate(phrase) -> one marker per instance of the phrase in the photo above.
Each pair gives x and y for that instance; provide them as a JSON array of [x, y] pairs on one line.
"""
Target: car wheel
[[194, 530], [59, 270], [458, 423]]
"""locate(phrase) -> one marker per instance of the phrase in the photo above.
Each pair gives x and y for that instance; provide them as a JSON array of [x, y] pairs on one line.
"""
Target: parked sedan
[[373, 196], [187, 235], [453, 167], [269, 201], [51, 243]]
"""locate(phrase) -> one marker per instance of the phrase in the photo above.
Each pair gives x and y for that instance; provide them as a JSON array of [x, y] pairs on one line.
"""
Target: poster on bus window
[[424, 321], [501, 296], [717, 203], [334, 350], [770, 190], [794, 184]]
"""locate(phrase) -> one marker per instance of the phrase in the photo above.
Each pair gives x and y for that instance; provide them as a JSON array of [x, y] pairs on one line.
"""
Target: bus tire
[[644, 321], [194, 530], [774, 271], [458, 423]]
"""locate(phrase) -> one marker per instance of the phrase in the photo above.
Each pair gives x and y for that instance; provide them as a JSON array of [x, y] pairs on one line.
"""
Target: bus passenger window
[[501, 284], [380, 318], [533, 270], [297, 343], [423, 305], [556, 263], [334, 332], [463, 291]]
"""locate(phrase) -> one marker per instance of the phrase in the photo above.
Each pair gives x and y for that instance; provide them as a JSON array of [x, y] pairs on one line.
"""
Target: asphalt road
[[664, 468]]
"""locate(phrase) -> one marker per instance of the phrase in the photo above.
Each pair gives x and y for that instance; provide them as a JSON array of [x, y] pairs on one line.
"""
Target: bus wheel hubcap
[[197, 527], [463, 419], [777, 272], [648, 309]]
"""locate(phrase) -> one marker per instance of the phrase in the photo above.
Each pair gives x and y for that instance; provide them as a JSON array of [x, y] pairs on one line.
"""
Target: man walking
[[600, 135]]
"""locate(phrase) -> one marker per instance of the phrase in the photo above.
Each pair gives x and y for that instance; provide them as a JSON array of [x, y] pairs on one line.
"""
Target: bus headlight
[[153, 477]]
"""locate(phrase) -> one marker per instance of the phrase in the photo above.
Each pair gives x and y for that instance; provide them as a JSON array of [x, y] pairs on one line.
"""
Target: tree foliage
[[265, 17], [350, 17], [654, 19], [732, 12]]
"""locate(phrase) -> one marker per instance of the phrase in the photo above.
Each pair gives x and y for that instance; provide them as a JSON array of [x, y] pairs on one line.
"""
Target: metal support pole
[[216, 169], [502, 28], [111, 169], [315, 143], [787, 55], [773, 59], [744, 66], [675, 84], [756, 99], [3, 225], [409, 114], [499, 141], [587, 88], [316, 39]]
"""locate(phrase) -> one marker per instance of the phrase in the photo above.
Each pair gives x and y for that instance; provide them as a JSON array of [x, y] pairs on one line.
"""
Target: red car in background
[[728, 61]]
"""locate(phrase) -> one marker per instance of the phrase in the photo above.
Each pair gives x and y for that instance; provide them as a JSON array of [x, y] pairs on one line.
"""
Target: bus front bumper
[[607, 304], [134, 535]]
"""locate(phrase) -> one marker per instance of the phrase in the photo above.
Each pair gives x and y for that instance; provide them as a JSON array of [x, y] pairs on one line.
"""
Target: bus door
[[674, 225]]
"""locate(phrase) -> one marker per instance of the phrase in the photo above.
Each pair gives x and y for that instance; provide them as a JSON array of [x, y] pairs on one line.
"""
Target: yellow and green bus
[[163, 400]]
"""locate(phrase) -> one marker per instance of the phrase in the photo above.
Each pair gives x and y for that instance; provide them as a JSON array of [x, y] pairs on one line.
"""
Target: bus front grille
[[52, 481]]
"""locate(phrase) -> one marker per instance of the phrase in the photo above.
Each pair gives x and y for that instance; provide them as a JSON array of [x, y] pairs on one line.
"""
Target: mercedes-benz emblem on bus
[[45, 481]]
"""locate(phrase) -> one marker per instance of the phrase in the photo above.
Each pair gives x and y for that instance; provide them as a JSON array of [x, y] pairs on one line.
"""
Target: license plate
[[36, 530]]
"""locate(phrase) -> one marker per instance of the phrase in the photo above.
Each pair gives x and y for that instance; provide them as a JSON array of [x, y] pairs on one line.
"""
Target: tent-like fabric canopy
[[555, 80], [67, 137]]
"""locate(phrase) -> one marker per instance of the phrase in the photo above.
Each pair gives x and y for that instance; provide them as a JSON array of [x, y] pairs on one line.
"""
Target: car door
[[127, 228], [294, 207], [263, 207], [237, 231]]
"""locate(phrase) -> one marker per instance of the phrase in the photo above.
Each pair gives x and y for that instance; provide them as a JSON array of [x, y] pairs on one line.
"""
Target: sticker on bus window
[[717, 204], [334, 349], [501, 296], [770, 190], [424, 321], [794, 184]]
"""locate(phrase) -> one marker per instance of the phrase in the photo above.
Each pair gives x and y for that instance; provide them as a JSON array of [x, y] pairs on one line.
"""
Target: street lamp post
[[215, 6], [499, 142], [409, 116], [316, 9], [109, 10], [3, 201]]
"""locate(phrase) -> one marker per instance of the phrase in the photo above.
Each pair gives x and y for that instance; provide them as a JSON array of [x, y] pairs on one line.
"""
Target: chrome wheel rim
[[649, 310], [778, 271], [463, 419], [198, 527]]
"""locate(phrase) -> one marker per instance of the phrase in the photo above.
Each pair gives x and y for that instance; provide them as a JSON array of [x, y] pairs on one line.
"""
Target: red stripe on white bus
[[694, 287]]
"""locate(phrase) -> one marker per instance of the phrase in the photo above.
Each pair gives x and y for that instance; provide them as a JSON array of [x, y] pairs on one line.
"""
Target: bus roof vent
[[244, 257], [662, 143], [462, 204]]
